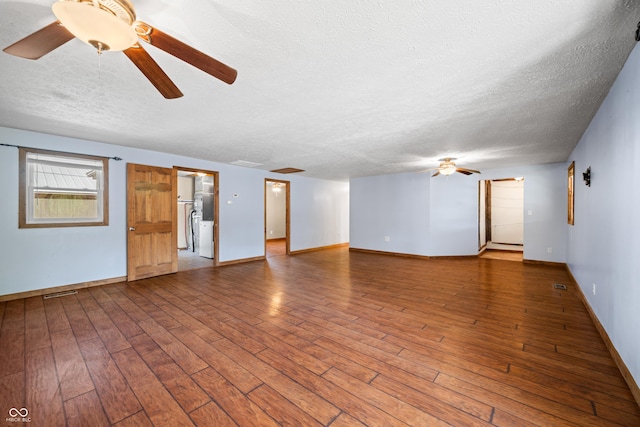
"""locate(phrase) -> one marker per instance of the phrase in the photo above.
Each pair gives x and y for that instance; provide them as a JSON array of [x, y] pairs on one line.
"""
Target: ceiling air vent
[[287, 170], [246, 164]]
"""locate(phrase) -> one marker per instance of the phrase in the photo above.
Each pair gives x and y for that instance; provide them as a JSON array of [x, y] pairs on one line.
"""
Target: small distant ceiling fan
[[448, 167], [112, 25]]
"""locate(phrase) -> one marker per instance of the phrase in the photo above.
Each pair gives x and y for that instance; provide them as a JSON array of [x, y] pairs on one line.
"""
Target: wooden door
[[152, 221]]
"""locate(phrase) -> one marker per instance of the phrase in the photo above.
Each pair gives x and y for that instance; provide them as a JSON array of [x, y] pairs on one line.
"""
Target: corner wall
[[439, 216], [390, 213]]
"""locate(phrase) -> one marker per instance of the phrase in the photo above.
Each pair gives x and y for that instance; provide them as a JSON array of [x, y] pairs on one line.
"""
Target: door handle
[[132, 229]]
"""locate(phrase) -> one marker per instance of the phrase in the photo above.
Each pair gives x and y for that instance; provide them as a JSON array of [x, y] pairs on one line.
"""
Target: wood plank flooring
[[276, 247], [502, 254], [328, 338]]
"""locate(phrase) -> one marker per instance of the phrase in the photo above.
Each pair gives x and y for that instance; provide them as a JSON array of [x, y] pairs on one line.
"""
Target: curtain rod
[[117, 159]]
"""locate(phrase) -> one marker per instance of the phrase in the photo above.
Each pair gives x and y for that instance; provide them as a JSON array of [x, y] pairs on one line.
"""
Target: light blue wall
[[454, 214], [393, 206], [319, 213], [32, 259], [604, 243], [439, 216]]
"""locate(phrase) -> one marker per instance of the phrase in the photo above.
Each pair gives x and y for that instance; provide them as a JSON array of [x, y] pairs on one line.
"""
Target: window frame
[[23, 191]]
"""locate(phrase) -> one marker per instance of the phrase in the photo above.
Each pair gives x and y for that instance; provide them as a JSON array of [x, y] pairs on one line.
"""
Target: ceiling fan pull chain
[[99, 49]]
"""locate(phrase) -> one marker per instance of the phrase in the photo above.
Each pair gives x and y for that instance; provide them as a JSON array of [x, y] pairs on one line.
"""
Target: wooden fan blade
[[41, 42], [466, 171], [152, 71], [189, 55], [435, 174]]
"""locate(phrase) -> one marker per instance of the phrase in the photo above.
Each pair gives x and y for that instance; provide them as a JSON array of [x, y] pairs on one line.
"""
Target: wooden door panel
[[164, 241], [151, 219]]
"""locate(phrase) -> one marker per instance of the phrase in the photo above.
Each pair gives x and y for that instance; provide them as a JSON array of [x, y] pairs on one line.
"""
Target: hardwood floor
[[501, 254], [276, 247], [323, 338]]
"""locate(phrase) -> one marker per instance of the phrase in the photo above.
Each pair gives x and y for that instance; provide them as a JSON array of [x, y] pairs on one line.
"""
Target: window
[[62, 190]]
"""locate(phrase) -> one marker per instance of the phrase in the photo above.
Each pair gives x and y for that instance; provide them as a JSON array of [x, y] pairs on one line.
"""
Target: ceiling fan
[[448, 167], [112, 25]]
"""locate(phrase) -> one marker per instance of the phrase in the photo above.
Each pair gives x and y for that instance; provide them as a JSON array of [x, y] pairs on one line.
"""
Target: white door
[[507, 212]]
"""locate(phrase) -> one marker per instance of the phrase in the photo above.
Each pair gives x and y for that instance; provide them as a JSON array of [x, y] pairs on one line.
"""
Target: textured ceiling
[[338, 88]]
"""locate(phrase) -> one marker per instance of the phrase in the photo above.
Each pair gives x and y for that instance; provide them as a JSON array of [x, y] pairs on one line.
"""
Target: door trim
[[488, 217]]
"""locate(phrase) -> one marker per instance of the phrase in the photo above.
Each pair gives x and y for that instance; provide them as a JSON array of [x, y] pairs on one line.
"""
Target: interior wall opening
[[197, 219], [501, 218], [276, 218]]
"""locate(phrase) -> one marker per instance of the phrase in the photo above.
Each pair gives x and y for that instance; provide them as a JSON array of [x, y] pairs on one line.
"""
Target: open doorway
[[276, 217], [197, 218], [501, 218]]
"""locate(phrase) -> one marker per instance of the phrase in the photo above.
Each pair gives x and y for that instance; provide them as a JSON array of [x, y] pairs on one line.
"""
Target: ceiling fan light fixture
[[447, 168], [112, 25], [104, 29]]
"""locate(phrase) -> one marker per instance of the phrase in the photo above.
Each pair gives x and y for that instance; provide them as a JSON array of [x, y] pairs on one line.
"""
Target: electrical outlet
[[549, 250], [530, 212], [594, 288], [387, 238]]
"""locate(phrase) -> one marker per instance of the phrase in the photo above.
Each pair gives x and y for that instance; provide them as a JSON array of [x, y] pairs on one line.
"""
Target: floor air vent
[[60, 294], [560, 286]]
